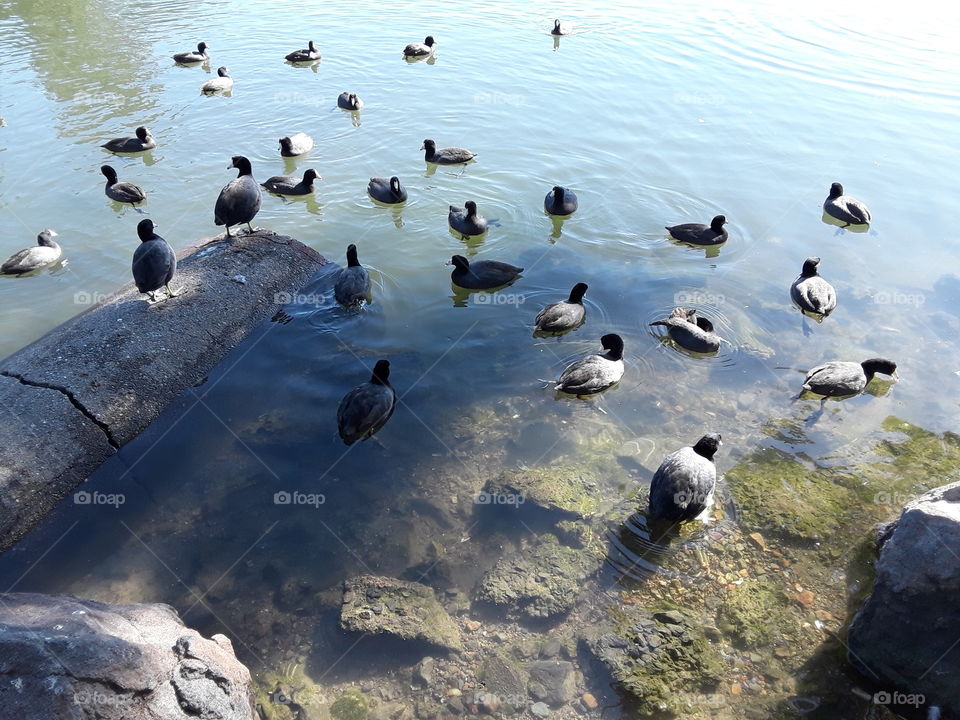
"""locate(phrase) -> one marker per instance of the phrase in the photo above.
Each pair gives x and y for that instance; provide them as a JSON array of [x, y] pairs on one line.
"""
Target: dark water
[[654, 115]]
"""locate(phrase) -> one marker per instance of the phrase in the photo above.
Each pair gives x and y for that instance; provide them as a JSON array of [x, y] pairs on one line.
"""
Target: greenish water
[[654, 115]]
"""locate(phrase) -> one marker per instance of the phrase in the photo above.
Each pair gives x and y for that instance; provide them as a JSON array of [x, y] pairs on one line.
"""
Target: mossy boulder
[[352, 705], [654, 655], [407, 610], [565, 489], [778, 494], [540, 581], [754, 613]]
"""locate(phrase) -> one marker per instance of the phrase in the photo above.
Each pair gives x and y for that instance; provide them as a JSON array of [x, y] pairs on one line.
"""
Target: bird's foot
[[171, 293]]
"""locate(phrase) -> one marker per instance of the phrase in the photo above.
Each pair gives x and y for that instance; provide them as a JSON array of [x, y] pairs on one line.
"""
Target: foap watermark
[[685, 497], [698, 98], [85, 497], [295, 98], [885, 297], [87, 298], [483, 298], [89, 698], [894, 498], [485, 498], [295, 497], [499, 98], [491, 701], [286, 298], [697, 297], [885, 697]]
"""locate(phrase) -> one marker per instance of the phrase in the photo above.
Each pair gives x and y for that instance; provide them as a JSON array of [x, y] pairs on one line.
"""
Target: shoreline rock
[[67, 657], [72, 398]]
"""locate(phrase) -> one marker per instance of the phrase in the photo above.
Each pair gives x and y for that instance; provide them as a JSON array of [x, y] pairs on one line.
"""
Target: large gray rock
[[74, 659], [92, 384], [906, 634]]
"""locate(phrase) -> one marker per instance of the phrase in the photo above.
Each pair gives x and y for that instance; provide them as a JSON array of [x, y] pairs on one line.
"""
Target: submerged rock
[[539, 581], [754, 613], [408, 610], [905, 634], [557, 488], [504, 678], [65, 657], [662, 658], [552, 681]]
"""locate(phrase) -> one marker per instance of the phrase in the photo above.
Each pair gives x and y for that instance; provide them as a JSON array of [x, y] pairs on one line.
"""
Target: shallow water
[[653, 115]]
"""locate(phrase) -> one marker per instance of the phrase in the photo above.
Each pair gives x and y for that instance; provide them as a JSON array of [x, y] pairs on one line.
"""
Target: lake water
[[654, 115]]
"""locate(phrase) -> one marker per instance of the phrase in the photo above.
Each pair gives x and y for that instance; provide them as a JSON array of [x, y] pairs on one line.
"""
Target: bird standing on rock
[[154, 262], [239, 200]]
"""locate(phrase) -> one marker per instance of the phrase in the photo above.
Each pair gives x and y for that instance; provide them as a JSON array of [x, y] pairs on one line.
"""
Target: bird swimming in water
[[121, 192], [239, 200], [46, 252], [446, 156], [845, 208], [691, 331], [560, 28], [154, 262], [390, 192], [366, 408], [198, 56], [845, 379], [700, 234], [420, 49], [811, 293], [466, 221], [353, 282], [221, 83], [564, 316], [349, 101], [594, 373], [560, 201], [143, 141], [482, 274], [308, 54], [683, 485], [290, 185], [298, 144]]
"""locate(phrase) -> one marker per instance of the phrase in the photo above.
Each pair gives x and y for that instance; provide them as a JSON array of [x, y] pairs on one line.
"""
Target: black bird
[[812, 293], [845, 208], [297, 144], [349, 101], [366, 408], [420, 49], [186, 58], [46, 252], [353, 282], [482, 274], [700, 234], [466, 221], [691, 331], [308, 54], [845, 379], [290, 185], [561, 28], [683, 485], [221, 83], [386, 191], [154, 262], [560, 201], [122, 192], [594, 373], [239, 200], [563, 316], [446, 156], [143, 141]]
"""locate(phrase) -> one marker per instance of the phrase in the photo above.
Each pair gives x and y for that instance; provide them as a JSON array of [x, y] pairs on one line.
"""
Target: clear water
[[654, 115]]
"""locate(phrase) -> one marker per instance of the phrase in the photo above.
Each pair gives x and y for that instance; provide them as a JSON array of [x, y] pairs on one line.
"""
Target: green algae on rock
[[407, 610], [540, 581], [754, 613], [352, 705], [654, 655], [563, 489]]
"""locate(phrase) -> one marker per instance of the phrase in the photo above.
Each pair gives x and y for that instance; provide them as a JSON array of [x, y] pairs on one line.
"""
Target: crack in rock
[[73, 401]]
